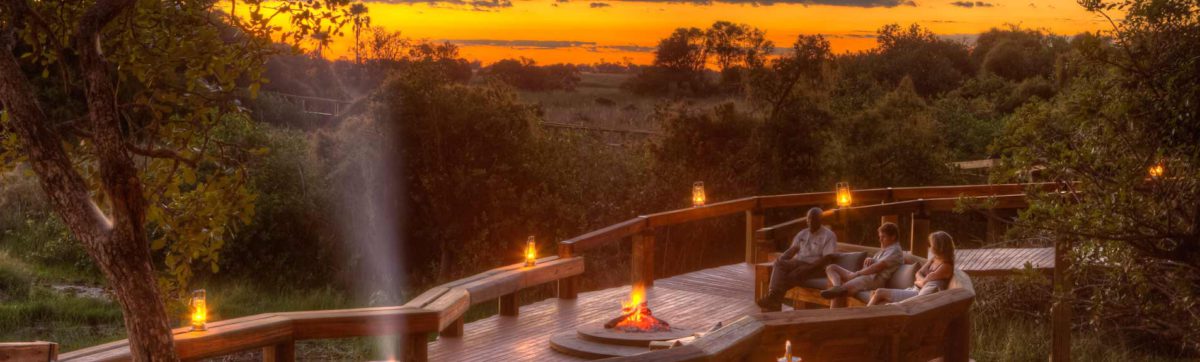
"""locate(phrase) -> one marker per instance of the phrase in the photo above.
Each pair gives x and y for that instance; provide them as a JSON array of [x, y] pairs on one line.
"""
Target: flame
[[530, 252], [1157, 170], [698, 197], [843, 194], [639, 317]]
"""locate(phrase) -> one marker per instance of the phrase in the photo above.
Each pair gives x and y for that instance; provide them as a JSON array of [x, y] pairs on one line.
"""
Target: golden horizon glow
[[550, 31]]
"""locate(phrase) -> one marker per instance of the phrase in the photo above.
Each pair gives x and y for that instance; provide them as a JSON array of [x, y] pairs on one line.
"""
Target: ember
[[635, 315]]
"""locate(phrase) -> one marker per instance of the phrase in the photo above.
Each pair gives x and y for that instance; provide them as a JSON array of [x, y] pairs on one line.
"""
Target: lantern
[[843, 194], [1157, 170], [698, 197], [787, 353], [530, 252], [199, 309]]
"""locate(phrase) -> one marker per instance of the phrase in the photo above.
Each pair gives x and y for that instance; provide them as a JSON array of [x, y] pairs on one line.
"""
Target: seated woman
[[933, 277]]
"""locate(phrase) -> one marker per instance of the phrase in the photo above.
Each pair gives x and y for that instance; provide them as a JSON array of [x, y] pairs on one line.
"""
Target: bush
[[15, 281]]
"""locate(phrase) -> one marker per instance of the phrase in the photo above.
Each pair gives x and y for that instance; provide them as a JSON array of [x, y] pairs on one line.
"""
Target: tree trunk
[[117, 243]]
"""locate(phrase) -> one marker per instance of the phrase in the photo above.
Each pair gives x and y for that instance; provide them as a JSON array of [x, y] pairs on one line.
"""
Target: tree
[[934, 65], [1126, 106], [360, 20], [804, 67], [1016, 54], [140, 151], [736, 46]]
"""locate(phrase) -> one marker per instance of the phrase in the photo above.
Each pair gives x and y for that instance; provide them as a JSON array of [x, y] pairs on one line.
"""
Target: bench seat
[[808, 293]]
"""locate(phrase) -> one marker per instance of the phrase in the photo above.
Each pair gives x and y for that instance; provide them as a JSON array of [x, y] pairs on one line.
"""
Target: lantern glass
[[698, 197], [199, 309], [530, 252], [843, 194], [1157, 170]]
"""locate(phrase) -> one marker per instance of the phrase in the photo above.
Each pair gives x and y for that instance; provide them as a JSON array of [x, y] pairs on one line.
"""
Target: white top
[[814, 246]]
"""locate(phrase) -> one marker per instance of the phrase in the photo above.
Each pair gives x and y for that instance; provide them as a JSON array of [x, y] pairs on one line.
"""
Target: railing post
[[642, 270], [414, 347], [455, 329], [509, 305], [568, 288], [754, 221], [1060, 311], [920, 233], [280, 352], [842, 225], [958, 338]]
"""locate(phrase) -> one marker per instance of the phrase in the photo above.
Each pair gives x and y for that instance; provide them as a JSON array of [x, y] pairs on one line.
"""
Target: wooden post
[[958, 338], [643, 258], [919, 238], [455, 329], [754, 221], [28, 351], [568, 288], [842, 225], [414, 347], [508, 305], [280, 352], [1060, 312]]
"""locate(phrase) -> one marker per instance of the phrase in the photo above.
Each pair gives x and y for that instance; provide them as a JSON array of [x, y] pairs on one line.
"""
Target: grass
[[1022, 339]]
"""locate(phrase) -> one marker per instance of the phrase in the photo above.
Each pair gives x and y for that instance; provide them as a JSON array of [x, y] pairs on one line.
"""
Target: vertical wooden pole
[[754, 221], [643, 258], [1060, 313], [280, 352], [455, 329], [841, 226], [508, 305], [568, 288], [958, 338], [414, 347], [994, 228], [919, 238]]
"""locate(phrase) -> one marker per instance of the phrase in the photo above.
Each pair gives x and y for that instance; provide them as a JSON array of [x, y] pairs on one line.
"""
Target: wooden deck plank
[[1003, 260], [677, 300]]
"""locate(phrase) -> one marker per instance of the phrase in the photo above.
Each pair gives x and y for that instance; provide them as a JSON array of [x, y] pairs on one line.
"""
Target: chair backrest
[[852, 261], [904, 276]]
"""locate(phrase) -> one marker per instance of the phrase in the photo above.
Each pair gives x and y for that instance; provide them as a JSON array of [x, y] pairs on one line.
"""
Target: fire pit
[[627, 334]]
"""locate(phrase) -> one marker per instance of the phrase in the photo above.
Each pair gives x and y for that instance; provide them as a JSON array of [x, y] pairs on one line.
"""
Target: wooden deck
[[991, 262], [694, 300]]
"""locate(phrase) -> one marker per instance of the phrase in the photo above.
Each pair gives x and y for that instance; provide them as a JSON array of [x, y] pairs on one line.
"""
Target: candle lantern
[[199, 309], [843, 194], [698, 197], [787, 353], [1157, 170], [530, 252]]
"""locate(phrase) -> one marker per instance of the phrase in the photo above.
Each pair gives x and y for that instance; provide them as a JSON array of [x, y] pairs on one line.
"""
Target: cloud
[[599, 5], [968, 4]]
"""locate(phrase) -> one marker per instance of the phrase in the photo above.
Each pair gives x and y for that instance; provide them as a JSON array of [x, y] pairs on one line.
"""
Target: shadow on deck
[[695, 300]]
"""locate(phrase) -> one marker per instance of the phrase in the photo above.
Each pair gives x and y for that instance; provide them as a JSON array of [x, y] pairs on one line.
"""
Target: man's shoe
[[835, 292]]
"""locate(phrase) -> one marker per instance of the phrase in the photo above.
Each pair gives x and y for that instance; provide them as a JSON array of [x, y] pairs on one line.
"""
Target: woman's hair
[[890, 229], [942, 245]]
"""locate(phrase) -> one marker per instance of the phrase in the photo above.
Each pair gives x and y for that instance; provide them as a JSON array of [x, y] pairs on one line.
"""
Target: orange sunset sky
[[586, 31]]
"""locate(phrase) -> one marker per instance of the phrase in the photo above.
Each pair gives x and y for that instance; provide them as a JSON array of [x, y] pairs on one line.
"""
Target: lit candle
[[698, 197], [530, 252], [199, 310], [843, 194]]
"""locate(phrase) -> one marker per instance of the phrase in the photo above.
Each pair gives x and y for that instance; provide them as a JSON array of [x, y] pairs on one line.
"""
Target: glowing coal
[[636, 316]]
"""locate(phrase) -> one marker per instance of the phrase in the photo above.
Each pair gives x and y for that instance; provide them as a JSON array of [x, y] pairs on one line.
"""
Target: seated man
[[875, 273], [804, 259]]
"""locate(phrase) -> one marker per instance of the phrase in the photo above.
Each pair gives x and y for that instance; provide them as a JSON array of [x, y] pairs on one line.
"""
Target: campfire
[[635, 315]]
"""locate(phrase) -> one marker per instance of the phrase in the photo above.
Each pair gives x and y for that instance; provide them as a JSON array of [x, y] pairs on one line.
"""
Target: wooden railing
[[441, 309], [886, 203]]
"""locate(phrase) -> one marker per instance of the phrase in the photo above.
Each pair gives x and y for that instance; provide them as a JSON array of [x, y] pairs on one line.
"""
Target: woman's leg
[[880, 297]]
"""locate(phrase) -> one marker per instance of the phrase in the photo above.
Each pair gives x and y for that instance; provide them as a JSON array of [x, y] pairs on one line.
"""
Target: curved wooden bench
[[918, 329]]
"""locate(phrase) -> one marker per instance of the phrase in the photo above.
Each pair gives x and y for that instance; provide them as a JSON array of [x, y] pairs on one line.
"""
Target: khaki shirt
[[893, 257], [814, 246]]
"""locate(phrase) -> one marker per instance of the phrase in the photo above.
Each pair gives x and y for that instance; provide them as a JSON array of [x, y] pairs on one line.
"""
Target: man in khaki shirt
[[875, 273], [804, 259]]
